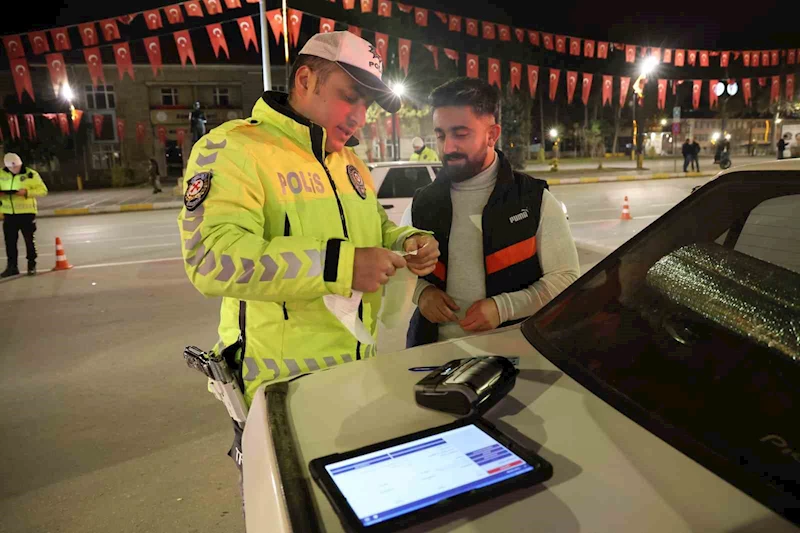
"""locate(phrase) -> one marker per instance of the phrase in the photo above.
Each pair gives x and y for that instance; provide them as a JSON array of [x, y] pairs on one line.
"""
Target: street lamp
[[647, 67], [663, 122], [399, 90], [69, 96], [554, 136]]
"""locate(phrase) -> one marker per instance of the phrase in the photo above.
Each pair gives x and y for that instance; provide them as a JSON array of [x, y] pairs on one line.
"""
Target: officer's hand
[[437, 306], [22, 192], [428, 253], [483, 315], [372, 267]]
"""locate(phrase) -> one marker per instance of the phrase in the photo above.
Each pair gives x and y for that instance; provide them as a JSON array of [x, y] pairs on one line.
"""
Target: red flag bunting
[[680, 58], [127, 19], [547, 41], [765, 58], [275, 19], [213, 7], [31, 124], [656, 53], [366, 6], [382, 46], [561, 44], [349, 4], [120, 129], [217, 38], [77, 115], [703, 58], [61, 40], [355, 30], [713, 99], [14, 47], [180, 133], [249, 32], [533, 37], [140, 132], [472, 27], [724, 59], [775, 58], [22, 77], [193, 8], [515, 75], [405, 8], [184, 42], [762, 82], [624, 85], [662, 94], [327, 26], [161, 133], [572, 82], [98, 125], [122, 54], [608, 88], [692, 57], [421, 16], [153, 19], [588, 48], [174, 14], [489, 31], [404, 48], [602, 50], [790, 87], [295, 19], [630, 53], [454, 23], [435, 52], [13, 126], [747, 90], [668, 55], [494, 72], [574, 46], [775, 93], [63, 122], [95, 63], [555, 74], [472, 66], [384, 8], [88, 34], [746, 58], [58, 71], [520, 33], [586, 85], [697, 86], [109, 29], [451, 54], [504, 32], [233, 4], [533, 79], [441, 16], [791, 57], [755, 59], [153, 47], [38, 40]]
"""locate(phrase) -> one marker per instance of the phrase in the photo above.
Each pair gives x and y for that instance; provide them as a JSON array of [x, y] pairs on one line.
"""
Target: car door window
[[403, 182], [772, 232]]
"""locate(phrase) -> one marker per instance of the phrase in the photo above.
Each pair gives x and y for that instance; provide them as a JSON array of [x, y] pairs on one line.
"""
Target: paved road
[[104, 428], [666, 164]]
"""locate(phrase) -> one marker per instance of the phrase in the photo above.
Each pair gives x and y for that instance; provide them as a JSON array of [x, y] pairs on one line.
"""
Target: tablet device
[[401, 482]]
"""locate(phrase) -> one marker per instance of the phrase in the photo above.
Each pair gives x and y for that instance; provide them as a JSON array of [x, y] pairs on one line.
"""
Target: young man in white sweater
[[506, 247]]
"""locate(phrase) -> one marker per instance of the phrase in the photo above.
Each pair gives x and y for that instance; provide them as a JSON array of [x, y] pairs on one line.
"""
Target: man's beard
[[466, 167]]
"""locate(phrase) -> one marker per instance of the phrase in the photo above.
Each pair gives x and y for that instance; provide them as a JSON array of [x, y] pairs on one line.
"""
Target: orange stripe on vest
[[516, 253]]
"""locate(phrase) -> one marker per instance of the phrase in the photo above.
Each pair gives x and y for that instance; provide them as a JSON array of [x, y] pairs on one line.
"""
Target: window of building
[[222, 97], [102, 97], [169, 96], [279, 88], [105, 155]]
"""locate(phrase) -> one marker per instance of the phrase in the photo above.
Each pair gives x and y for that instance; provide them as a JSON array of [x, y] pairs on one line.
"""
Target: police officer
[[19, 188], [279, 212], [421, 152]]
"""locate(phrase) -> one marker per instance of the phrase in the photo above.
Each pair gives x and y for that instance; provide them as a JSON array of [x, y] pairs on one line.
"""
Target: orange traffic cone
[[626, 211], [61, 257]]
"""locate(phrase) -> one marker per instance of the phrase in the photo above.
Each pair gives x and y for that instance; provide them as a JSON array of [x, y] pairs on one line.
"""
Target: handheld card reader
[[467, 386]]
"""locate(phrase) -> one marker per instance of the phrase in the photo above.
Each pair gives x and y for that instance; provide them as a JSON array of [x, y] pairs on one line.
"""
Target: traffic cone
[[626, 211], [61, 257]]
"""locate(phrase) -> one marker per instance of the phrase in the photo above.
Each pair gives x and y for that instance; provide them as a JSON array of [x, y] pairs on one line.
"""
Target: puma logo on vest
[[522, 215]]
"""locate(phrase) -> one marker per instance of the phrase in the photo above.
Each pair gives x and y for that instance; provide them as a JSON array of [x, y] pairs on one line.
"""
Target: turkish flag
[[327, 26], [153, 19], [703, 58], [38, 40], [533, 37], [349, 4], [295, 19], [765, 58], [588, 48], [574, 46], [184, 42], [181, 134], [692, 57], [121, 129], [572, 82], [161, 133], [77, 115], [14, 47], [95, 63], [747, 90], [63, 122], [275, 19], [213, 7], [454, 23], [697, 86], [494, 72], [489, 30], [790, 87], [724, 59], [22, 77], [31, 124], [233, 4], [442, 16], [624, 85], [586, 86], [174, 14], [680, 58], [662, 94], [746, 58], [762, 82], [451, 54], [355, 30], [775, 93], [547, 39], [98, 125], [755, 59], [405, 8], [382, 46], [384, 8], [421, 16], [122, 54], [140, 132], [520, 33], [58, 71], [61, 40], [775, 58], [435, 52], [472, 66], [404, 49], [193, 8], [555, 74], [13, 126], [668, 55], [109, 29], [791, 57], [88, 34], [217, 38], [561, 44], [630, 53], [515, 75], [608, 82], [249, 32], [656, 53], [127, 19], [602, 50], [153, 47], [366, 6], [713, 99], [533, 79]]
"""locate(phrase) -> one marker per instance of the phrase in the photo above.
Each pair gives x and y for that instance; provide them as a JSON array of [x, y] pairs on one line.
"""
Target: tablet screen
[[385, 484]]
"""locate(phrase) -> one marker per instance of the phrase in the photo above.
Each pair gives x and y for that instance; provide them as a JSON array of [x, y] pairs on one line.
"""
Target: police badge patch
[[357, 181], [197, 190]]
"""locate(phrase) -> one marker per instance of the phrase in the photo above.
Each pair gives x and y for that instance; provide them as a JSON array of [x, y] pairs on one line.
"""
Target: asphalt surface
[[104, 428]]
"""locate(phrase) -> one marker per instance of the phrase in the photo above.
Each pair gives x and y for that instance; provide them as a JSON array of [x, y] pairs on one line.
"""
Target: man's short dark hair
[[322, 68], [484, 99]]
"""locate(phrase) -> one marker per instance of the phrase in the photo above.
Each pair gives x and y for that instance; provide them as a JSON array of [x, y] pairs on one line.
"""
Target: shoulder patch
[[197, 190], [357, 181]]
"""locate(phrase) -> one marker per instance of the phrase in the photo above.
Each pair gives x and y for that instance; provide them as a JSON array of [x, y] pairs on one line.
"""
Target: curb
[[76, 211], [604, 179]]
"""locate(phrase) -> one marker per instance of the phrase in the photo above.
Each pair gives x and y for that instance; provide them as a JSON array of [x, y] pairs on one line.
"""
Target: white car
[[662, 386]]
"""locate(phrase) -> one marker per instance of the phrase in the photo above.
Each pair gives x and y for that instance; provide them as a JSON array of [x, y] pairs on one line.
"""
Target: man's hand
[[481, 316], [372, 267], [22, 192], [437, 306], [427, 249]]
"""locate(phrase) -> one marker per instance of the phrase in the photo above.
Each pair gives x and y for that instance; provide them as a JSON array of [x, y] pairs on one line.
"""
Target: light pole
[[68, 95], [648, 67], [399, 90], [556, 139]]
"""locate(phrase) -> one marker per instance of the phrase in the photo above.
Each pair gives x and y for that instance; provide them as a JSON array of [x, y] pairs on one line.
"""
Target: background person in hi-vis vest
[[506, 246], [279, 212]]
